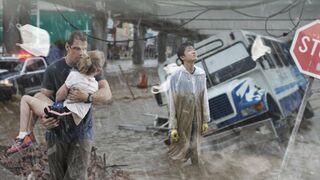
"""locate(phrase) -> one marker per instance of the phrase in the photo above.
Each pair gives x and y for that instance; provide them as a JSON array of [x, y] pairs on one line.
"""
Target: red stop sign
[[305, 49]]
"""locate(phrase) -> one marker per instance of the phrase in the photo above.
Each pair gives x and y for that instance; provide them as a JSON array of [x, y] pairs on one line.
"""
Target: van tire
[[308, 112], [280, 126], [274, 111]]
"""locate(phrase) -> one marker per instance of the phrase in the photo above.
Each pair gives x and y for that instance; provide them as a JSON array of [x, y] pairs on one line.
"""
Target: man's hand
[[49, 123], [204, 128], [174, 137], [76, 95]]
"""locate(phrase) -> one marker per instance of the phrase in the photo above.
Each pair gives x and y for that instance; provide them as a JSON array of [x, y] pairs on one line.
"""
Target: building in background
[[120, 41]]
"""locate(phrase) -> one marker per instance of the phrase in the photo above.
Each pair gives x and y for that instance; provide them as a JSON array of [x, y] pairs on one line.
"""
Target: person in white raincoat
[[188, 107]]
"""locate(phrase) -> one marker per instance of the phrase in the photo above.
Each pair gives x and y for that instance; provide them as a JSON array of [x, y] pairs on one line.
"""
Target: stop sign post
[[305, 49]]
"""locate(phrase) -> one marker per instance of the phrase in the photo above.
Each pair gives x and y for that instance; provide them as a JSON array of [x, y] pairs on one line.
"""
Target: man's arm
[[102, 96], [62, 93]]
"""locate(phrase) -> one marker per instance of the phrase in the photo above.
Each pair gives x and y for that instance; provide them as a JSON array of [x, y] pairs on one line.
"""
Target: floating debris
[[33, 164]]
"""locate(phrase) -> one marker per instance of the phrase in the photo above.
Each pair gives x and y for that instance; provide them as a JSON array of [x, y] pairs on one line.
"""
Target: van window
[[251, 39], [265, 63], [274, 52], [271, 63], [229, 63], [261, 62], [200, 65], [286, 53], [279, 52]]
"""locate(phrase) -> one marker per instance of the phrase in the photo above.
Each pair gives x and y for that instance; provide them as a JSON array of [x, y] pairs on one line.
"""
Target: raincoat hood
[[169, 70], [197, 72]]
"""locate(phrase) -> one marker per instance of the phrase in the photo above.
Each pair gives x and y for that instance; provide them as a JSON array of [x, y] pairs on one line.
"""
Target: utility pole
[[162, 47], [14, 12], [138, 45], [99, 28]]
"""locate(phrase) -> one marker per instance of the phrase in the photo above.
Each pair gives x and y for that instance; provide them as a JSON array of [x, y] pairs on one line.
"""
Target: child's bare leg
[[28, 105], [33, 117]]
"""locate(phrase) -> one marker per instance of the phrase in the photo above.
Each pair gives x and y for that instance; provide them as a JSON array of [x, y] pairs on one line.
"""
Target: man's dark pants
[[68, 159]]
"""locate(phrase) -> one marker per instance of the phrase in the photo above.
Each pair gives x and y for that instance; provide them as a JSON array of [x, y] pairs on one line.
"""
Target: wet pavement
[[143, 154]]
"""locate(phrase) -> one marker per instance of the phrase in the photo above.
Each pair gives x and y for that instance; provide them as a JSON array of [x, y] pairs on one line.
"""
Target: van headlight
[[252, 109], [6, 82]]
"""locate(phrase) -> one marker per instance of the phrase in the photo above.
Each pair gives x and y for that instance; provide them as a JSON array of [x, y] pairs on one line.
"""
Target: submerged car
[[20, 75]]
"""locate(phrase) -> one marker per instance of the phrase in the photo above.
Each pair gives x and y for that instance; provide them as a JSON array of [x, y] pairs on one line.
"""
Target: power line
[[234, 8], [97, 38], [177, 13], [286, 9], [290, 16], [292, 29], [267, 18], [205, 9], [193, 18], [215, 7]]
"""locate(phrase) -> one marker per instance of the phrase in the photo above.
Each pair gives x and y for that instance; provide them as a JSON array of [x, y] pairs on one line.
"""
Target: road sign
[[305, 49]]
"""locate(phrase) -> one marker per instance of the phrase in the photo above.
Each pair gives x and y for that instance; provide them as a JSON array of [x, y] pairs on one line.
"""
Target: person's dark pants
[[69, 160]]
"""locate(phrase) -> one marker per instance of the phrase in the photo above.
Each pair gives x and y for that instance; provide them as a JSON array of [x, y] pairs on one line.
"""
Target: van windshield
[[229, 63]]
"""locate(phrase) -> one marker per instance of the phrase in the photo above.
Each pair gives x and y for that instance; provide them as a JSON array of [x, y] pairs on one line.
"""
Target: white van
[[241, 90]]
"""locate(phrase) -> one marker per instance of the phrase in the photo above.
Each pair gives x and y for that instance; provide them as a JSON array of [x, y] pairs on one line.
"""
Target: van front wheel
[[308, 112], [274, 111]]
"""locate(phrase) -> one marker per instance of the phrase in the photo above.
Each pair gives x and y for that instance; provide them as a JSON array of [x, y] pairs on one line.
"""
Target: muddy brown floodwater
[[143, 154]]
